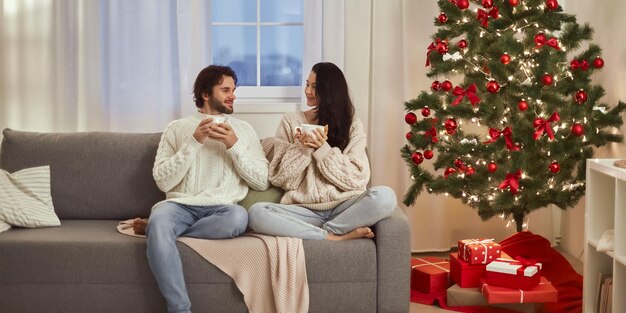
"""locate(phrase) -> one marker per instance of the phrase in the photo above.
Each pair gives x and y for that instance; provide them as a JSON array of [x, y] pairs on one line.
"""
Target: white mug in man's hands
[[308, 129], [217, 119]]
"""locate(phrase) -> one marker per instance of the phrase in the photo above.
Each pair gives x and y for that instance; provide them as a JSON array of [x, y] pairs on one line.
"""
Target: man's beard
[[219, 106]]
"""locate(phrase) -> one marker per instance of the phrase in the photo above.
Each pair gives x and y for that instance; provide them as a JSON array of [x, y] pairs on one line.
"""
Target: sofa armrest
[[393, 253]]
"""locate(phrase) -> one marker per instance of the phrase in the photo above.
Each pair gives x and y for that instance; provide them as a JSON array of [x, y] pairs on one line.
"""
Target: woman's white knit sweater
[[207, 173], [322, 178]]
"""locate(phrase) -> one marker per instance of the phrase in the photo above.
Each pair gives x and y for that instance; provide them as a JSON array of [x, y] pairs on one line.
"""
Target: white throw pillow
[[4, 226], [25, 199]]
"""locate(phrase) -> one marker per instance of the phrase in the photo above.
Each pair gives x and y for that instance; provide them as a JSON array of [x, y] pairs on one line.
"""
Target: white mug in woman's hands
[[308, 129]]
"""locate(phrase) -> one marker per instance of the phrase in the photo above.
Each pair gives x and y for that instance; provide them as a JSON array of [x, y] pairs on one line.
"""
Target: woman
[[324, 174]]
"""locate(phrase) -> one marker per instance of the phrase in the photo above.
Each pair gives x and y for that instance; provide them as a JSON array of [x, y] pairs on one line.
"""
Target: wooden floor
[[420, 308]]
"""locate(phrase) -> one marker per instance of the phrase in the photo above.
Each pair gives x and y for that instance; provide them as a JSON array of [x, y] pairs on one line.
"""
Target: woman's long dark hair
[[334, 108]]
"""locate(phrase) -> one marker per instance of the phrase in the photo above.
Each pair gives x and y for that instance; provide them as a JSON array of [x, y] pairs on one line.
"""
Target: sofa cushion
[[94, 175], [25, 198], [272, 194], [72, 253]]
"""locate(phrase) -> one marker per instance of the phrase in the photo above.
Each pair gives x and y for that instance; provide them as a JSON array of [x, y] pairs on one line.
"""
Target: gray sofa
[[85, 265]]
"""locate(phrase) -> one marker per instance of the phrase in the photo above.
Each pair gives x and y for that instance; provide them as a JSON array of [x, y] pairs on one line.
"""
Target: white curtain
[[111, 65]]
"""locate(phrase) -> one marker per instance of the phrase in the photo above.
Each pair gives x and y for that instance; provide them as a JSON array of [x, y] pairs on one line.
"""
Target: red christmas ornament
[[492, 167], [522, 105], [442, 18], [425, 112], [442, 47], [580, 97], [578, 130], [470, 170], [446, 85], [547, 79], [450, 126], [459, 163], [598, 62], [487, 4], [410, 118], [462, 4], [554, 167], [493, 86], [435, 85], [448, 171], [513, 3], [417, 158], [505, 59], [552, 4], [408, 135], [429, 154], [462, 44]]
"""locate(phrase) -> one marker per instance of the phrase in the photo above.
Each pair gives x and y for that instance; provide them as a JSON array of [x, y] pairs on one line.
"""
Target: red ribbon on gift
[[432, 133], [483, 16], [431, 47], [544, 126], [470, 92], [541, 39], [583, 65], [507, 133], [511, 180]]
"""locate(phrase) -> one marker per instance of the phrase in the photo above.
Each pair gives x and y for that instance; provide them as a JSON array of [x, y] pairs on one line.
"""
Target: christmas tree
[[512, 114]]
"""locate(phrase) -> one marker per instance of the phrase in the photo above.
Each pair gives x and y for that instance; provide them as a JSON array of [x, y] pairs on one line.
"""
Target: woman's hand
[[315, 141]]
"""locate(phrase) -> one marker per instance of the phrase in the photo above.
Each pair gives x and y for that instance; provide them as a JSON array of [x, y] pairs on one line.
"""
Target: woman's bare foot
[[139, 226], [361, 232]]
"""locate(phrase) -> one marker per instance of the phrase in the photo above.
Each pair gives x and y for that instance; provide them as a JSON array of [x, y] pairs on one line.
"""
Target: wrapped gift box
[[430, 274], [465, 274], [478, 251], [458, 296], [516, 274], [543, 292]]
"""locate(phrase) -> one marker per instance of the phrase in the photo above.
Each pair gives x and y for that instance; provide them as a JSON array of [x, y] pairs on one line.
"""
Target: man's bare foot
[[361, 232], [139, 226]]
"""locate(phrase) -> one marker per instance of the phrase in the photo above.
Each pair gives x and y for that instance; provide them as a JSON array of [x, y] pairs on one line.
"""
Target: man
[[204, 168]]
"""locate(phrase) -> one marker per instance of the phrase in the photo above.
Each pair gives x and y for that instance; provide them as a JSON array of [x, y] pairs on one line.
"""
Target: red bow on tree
[[541, 39], [511, 180], [432, 133], [470, 93], [468, 170], [431, 47], [483, 16], [583, 65], [544, 126], [507, 133]]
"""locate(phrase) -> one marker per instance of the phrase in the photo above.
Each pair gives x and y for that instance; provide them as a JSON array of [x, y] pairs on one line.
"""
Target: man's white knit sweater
[[322, 178], [203, 174]]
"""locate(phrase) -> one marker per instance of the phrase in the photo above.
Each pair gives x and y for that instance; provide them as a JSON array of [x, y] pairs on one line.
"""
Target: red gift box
[[517, 274], [465, 274], [479, 251], [430, 274], [543, 292]]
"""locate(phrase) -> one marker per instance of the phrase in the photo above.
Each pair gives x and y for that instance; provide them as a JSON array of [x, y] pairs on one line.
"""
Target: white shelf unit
[[605, 208]]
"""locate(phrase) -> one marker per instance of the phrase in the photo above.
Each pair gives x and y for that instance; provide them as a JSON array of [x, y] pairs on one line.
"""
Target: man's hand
[[202, 131], [224, 133]]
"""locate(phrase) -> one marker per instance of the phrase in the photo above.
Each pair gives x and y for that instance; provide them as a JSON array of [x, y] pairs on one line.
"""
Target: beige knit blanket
[[269, 271]]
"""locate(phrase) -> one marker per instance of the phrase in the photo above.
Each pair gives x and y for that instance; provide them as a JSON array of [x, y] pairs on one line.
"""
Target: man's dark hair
[[208, 78], [334, 108]]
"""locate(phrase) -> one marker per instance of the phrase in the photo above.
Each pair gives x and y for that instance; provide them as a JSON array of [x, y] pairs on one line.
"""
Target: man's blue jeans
[[170, 220]]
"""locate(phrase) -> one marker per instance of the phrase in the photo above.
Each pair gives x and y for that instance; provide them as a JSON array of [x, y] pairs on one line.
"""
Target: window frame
[[281, 98]]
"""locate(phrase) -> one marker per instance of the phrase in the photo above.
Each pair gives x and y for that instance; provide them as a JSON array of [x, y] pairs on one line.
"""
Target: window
[[262, 40]]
